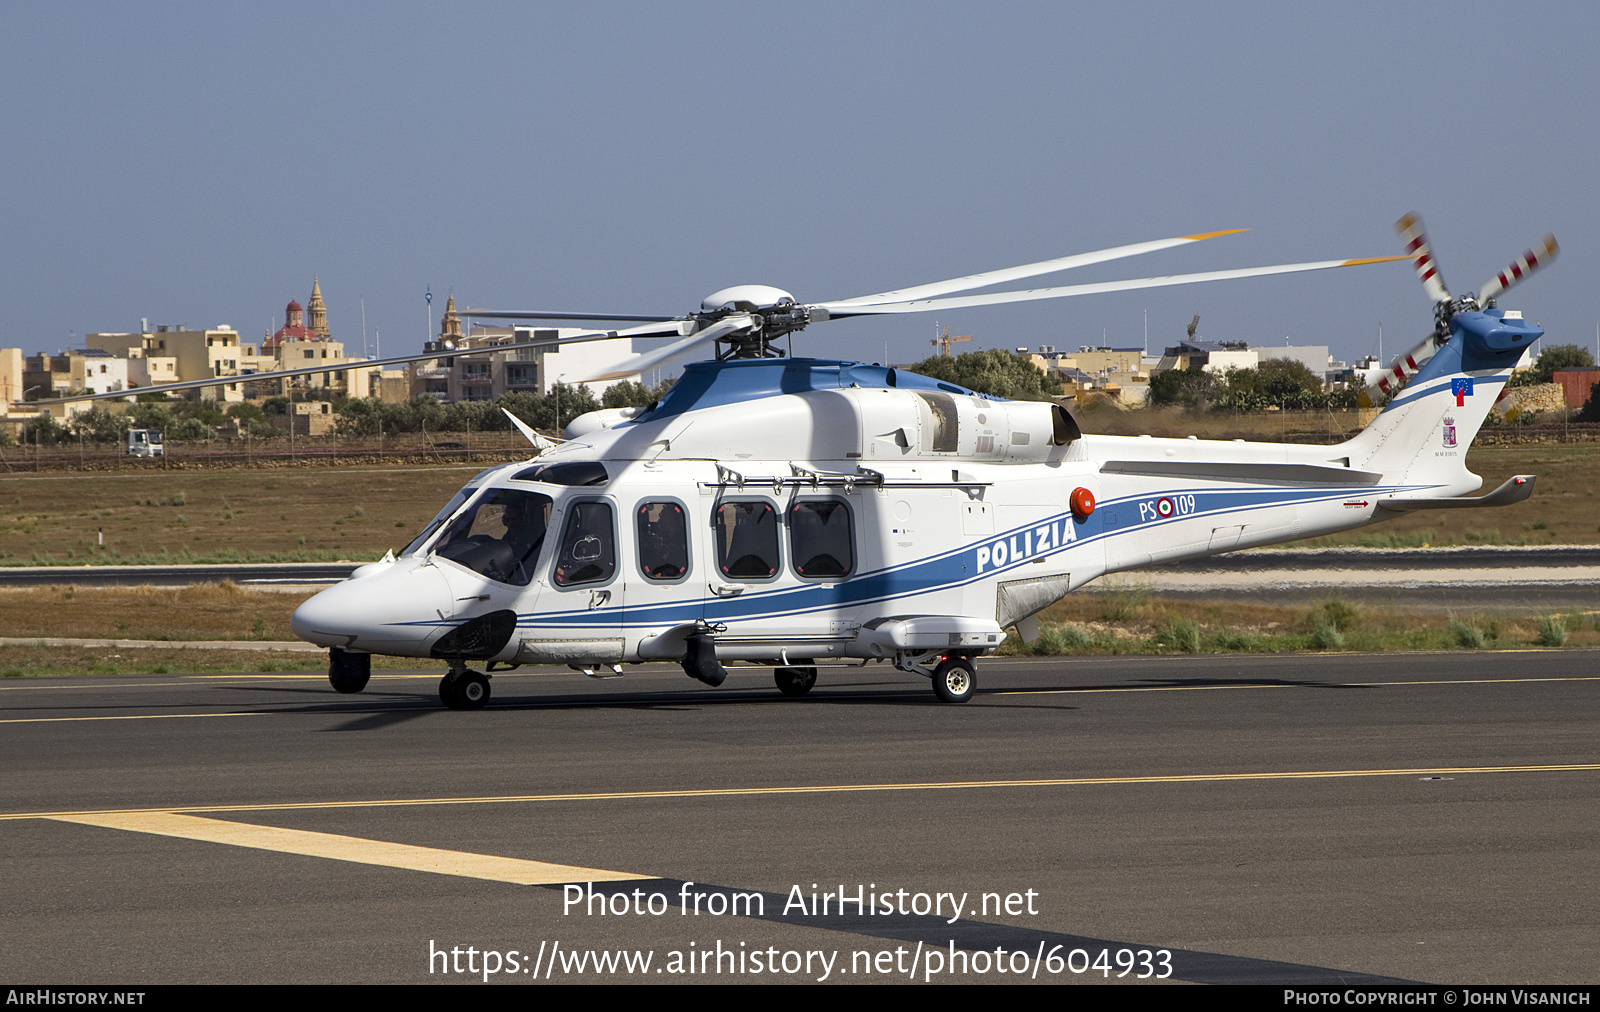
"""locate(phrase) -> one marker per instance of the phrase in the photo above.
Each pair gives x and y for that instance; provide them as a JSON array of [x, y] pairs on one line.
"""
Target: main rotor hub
[[773, 313], [746, 299]]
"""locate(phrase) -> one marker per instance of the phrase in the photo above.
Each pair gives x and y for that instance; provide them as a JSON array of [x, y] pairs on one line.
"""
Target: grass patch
[[41, 662], [1467, 635], [1076, 625], [205, 611], [1553, 631]]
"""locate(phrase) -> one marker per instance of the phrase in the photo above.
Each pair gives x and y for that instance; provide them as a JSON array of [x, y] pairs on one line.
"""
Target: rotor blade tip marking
[[1212, 235], [1374, 260]]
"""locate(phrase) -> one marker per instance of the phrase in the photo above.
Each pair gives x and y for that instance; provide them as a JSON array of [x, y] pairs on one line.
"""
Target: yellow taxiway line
[[1287, 685], [350, 848], [725, 792]]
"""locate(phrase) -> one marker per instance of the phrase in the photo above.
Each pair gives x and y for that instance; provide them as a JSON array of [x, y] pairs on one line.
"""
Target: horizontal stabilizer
[[1512, 490]]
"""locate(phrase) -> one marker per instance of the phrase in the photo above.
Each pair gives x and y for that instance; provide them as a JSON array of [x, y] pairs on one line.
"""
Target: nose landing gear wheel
[[348, 672], [954, 680], [794, 681], [468, 690]]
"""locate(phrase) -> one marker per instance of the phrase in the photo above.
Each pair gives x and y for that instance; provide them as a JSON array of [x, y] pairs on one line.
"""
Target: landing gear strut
[[953, 676], [464, 689]]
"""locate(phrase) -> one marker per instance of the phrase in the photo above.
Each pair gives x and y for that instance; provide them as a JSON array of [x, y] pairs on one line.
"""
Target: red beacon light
[[1082, 503]]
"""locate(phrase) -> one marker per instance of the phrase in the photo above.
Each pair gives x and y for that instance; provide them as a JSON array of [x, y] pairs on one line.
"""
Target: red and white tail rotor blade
[[1416, 240], [1520, 268], [1391, 378]]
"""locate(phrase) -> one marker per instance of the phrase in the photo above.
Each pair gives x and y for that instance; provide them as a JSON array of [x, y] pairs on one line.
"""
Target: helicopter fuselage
[[793, 511]]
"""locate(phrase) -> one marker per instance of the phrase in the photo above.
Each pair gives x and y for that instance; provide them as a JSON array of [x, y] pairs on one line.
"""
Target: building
[[12, 366], [303, 341], [533, 370], [1577, 385], [177, 354], [89, 371]]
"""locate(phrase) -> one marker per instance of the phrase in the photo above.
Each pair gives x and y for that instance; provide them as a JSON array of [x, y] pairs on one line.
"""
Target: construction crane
[[944, 341]]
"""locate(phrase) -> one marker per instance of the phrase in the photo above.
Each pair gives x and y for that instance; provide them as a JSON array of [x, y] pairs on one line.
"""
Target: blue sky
[[199, 163]]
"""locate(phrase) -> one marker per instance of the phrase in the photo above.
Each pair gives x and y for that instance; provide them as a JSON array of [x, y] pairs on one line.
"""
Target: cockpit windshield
[[439, 518], [499, 536], [467, 491]]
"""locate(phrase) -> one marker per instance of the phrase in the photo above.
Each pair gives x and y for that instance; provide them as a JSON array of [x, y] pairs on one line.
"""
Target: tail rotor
[[1389, 378]]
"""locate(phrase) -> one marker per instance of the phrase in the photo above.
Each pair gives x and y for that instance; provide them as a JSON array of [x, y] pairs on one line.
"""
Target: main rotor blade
[[492, 314], [1520, 268], [998, 298], [661, 356], [1416, 240], [988, 278]]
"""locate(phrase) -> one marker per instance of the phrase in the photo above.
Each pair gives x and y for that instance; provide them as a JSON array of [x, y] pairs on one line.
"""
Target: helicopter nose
[[393, 609]]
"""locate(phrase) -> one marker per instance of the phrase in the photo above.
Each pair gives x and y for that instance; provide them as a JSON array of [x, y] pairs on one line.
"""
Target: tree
[[99, 425], [629, 394], [190, 430], [148, 415], [1184, 388], [995, 372], [1558, 357], [44, 429]]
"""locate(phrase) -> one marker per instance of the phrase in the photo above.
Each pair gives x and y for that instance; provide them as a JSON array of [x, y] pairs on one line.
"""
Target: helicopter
[[798, 513]]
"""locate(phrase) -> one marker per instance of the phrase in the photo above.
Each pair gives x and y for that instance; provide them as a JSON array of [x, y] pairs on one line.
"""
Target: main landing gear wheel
[[794, 681], [468, 690], [954, 680]]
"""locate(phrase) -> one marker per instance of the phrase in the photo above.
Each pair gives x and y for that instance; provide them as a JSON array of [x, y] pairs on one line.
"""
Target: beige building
[[177, 354], [535, 370], [174, 354], [305, 341], [90, 371], [309, 418], [12, 365]]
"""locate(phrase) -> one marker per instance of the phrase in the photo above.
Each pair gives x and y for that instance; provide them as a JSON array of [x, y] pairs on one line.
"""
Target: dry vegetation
[[206, 611], [224, 515], [1125, 621], [326, 513], [1131, 621], [32, 661]]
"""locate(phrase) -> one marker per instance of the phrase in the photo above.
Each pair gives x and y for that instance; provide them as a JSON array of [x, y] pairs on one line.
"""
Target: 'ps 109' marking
[[1166, 507]]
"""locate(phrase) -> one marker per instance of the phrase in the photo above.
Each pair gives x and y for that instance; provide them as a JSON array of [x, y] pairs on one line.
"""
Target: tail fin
[[1421, 437]]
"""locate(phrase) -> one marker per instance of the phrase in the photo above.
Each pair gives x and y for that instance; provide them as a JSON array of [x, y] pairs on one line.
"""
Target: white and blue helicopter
[[795, 513]]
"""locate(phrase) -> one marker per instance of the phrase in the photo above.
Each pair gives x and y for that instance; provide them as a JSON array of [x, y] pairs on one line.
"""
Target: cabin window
[[499, 536], [663, 531], [588, 546], [819, 539], [747, 540]]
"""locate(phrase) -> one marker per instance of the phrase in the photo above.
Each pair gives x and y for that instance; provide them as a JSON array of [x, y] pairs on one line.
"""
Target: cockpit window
[[439, 518], [500, 536]]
